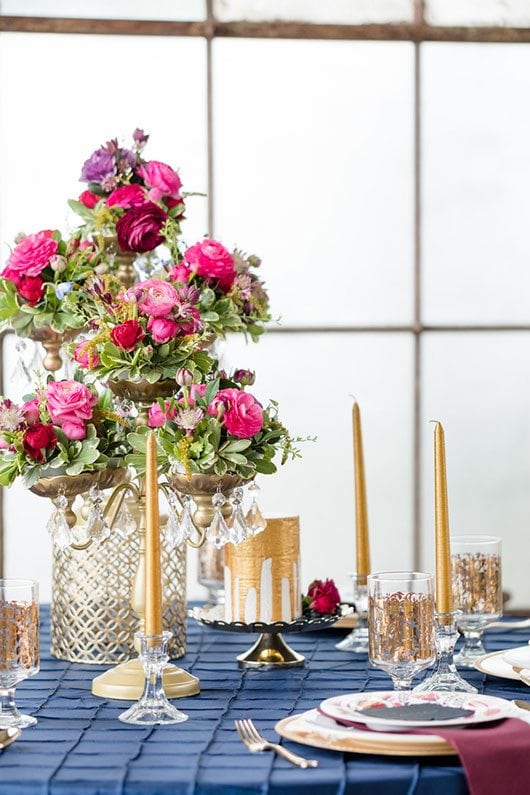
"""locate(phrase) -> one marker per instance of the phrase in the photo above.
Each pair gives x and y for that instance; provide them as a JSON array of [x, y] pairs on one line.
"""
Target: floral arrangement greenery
[[128, 197], [215, 427], [146, 332], [41, 271], [231, 297], [63, 428]]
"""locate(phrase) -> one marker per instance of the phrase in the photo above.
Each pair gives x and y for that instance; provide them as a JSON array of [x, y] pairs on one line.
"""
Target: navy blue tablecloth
[[80, 748]]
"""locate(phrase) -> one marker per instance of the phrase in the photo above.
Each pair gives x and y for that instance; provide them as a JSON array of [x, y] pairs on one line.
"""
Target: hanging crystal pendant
[[238, 525], [125, 523], [218, 532], [177, 531], [21, 375], [96, 524], [57, 525], [254, 518]]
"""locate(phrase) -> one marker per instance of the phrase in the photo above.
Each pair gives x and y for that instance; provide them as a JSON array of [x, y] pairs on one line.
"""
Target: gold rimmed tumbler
[[19, 646]]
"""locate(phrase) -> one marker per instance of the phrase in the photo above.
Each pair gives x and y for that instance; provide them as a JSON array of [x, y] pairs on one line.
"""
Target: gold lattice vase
[[92, 620]]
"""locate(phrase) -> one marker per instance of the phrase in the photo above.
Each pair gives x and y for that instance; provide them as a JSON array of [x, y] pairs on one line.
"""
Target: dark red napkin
[[495, 756]]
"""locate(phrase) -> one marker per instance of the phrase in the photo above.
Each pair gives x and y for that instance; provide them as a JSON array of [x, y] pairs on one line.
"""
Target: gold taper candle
[[362, 548], [444, 597], [153, 576]]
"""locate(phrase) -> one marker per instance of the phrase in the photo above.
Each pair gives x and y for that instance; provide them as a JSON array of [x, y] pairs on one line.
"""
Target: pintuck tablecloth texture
[[80, 748]]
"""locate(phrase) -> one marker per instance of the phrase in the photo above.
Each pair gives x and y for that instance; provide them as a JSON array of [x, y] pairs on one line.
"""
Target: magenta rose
[[243, 415], [31, 288], [89, 199], [162, 329], [31, 255], [158, 416], [212, 260], [324, 596], [30, 409], [154, 297], [180, 273], [127, 335], [161, 180], [85, 358], [37, 439], [127, 196], [139, 229], [69, 402]]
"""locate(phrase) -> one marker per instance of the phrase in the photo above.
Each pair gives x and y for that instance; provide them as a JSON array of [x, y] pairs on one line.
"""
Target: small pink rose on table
[[322, 597]]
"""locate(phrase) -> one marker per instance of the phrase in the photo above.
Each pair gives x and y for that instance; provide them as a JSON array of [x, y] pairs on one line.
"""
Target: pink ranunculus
[[30, 409], [180, 273], [162, 329], [139, 228], [243, 415], [158, 416], [154, 297], [74, 430], [84, 357], [161, 180], [69, 401], [127, 196], [31, 255], [212, 260]]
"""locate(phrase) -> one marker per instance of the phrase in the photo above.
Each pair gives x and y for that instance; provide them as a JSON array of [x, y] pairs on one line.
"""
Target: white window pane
[[478, 385], [478, 12], [51, 120], [332, 11], [314, 172], [313, 377], [187, 10], [476, 173]]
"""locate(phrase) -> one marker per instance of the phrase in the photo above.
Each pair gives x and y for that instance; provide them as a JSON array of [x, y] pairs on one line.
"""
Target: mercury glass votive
[[477, 590], [401, 624]]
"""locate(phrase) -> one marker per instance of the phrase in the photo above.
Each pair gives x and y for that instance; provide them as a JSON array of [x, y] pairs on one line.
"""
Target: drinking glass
[[477, 590], [401, 624], [19, 646]]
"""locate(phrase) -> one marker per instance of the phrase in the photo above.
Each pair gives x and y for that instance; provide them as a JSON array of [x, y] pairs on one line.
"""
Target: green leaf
[[236, 446], [211, 390], [79, 209], [265, 467], [138, 441], [235, 458]]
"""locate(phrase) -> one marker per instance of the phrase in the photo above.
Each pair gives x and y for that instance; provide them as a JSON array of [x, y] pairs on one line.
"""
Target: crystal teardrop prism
[[238, 526], [218, 533], [96, 524], [125, 523], [254, 519], [57, 525]]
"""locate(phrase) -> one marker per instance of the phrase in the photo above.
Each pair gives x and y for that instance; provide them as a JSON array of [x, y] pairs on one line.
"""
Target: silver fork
[[255, 742]]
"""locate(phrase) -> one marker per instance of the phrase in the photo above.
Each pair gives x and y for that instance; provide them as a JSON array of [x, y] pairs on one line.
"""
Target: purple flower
[[188, 294], [100, 166], [140, 138], [126, 160], [244, 377]]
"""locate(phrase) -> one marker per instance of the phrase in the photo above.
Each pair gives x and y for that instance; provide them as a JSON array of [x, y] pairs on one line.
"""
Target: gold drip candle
[[444, 598], [362, 547], [153, 577]]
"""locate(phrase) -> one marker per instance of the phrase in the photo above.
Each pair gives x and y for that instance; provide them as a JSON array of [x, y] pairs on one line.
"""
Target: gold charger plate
[[303, 729], [8, 736], [493, 664]]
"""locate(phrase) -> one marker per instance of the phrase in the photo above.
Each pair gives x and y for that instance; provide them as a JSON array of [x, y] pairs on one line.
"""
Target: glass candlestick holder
[[357, 641], [445, 677], [153, 706]]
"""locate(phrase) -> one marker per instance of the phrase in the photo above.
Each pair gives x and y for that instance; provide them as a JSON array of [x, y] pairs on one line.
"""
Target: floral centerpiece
[[231, 297], [63, 428], [215, 428], [41, 271], [145, 333], [128, 198]]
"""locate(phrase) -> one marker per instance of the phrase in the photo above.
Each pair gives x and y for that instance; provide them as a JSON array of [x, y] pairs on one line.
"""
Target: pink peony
[[158, 417], [31, 255], [154, 297], [212, 260], [74, 430], [139, 228], [84, 358], [180, 273], [30, 409], [162, 329], [243, 415], [69, 401], [127, 196], [161, 180]]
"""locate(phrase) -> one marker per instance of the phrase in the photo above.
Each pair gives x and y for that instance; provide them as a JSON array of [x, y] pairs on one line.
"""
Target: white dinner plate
[[345, 707], [519, 656]]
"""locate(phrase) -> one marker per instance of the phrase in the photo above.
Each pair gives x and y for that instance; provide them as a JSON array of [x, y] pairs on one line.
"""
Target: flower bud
[[244, 377], [184, 377], [58, 263]]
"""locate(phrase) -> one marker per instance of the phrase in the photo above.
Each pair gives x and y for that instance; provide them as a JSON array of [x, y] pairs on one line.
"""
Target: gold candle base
[[270, 651], [126, 682]]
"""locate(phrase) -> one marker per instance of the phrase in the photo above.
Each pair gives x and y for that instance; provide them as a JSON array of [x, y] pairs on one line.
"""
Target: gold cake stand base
[[126, 682], [270, 651]]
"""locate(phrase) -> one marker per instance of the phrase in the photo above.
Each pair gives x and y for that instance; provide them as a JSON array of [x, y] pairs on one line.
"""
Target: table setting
[[152, 445]]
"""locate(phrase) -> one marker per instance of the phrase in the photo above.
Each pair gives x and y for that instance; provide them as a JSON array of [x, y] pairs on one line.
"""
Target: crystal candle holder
[[357, 641], [477, 590], [445, 677], [153, 706]]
